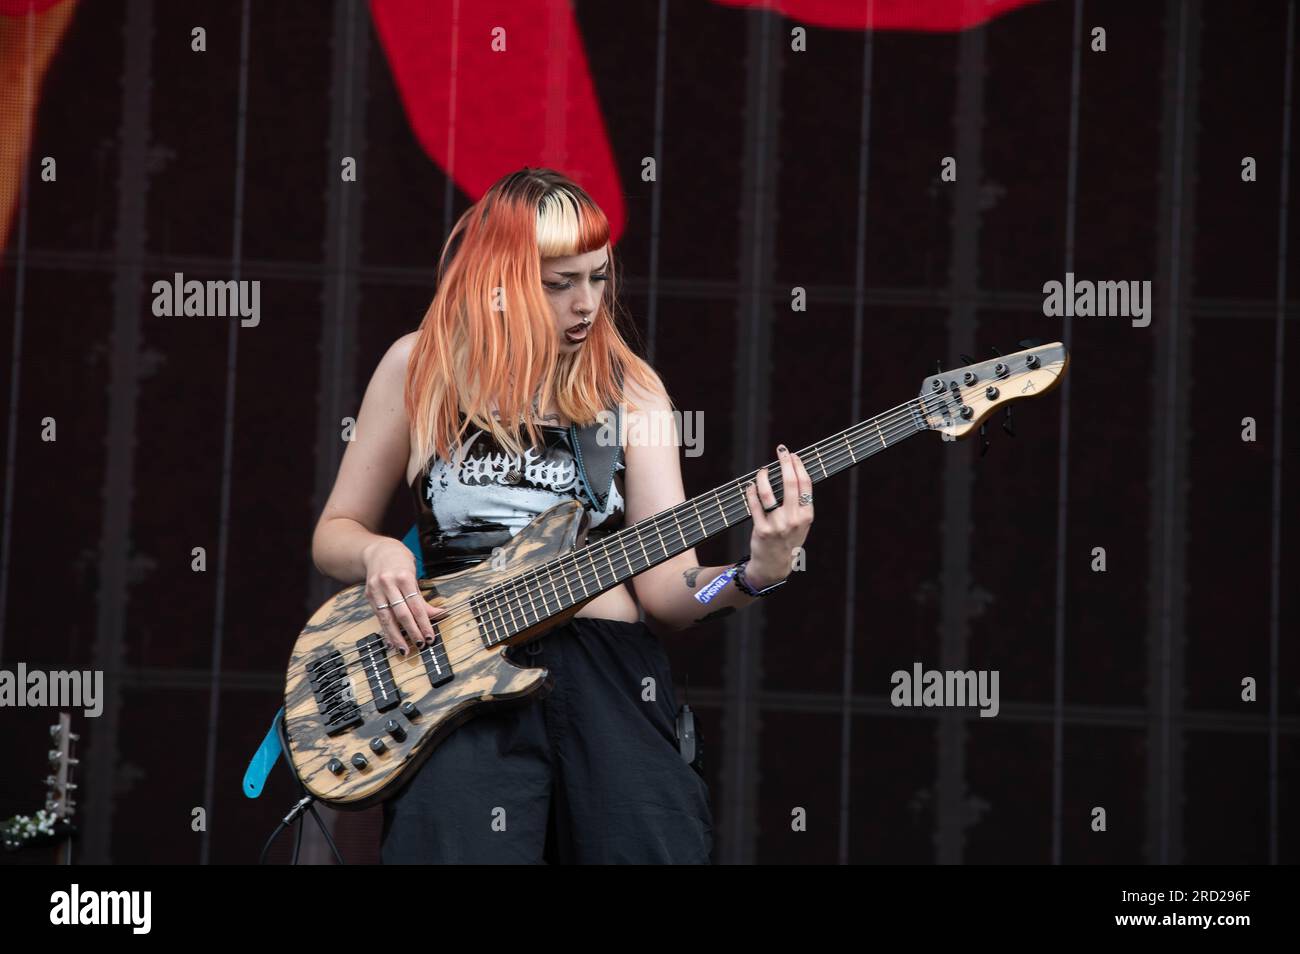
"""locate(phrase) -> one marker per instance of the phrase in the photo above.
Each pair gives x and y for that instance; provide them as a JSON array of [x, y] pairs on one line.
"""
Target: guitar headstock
[[52, 825], [956, 402], [59, 785]]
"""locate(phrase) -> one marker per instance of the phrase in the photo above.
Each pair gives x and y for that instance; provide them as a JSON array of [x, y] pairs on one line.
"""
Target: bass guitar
[[358, 717]]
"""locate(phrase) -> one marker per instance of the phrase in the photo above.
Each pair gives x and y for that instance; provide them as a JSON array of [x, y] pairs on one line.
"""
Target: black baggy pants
[[591, 774]]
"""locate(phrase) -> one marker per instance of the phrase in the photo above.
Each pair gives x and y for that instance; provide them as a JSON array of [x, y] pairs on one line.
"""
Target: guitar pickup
[[436, 663], [373, 655]]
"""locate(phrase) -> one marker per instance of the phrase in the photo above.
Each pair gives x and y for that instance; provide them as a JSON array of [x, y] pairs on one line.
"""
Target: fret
[[555, 592], [627, 557], [582, 580], [663, 546], [516, 611], [700, 520], [541, 591], [559, 603], [512, 606], [504, 611], [487, 622], [613, 572], [494, 620], [608, 548], [517, 617]]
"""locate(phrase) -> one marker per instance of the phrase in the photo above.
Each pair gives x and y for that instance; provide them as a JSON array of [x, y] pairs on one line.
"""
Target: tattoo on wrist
[[691, 575]]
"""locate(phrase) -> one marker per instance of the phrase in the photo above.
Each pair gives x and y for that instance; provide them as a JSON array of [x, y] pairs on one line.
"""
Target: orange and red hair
[[490, 336]]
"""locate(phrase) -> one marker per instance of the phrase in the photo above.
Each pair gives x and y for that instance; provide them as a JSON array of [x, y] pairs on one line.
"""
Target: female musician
[[472, 412]]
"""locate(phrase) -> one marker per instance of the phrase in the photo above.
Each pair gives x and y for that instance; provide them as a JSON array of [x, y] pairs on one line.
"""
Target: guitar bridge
[[328, 677]]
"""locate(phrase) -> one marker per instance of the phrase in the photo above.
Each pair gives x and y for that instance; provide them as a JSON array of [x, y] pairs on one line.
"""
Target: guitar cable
[[307, 803]]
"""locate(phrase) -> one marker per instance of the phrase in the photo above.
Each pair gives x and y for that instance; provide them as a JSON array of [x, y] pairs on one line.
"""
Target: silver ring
[[805, 499], [381, 606], [409, 595]]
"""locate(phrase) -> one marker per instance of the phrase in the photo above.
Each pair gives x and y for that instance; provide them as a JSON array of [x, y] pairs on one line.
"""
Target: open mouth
[[578, 333]]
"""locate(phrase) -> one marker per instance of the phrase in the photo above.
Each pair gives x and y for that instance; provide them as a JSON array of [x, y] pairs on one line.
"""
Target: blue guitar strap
[[264, 759]]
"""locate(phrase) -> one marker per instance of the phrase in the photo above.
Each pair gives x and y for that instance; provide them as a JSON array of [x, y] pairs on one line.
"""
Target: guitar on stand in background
[[52, 826]]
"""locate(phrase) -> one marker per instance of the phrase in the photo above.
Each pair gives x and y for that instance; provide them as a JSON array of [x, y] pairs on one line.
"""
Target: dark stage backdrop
[[918, 186]]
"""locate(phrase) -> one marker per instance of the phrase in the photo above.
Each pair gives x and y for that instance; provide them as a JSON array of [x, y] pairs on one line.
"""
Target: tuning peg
[[967, 359], [1007, 424], [984, 441], [938, 366]]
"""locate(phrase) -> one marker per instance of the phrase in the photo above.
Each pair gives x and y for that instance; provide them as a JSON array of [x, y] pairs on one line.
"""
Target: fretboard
[[529, 598]]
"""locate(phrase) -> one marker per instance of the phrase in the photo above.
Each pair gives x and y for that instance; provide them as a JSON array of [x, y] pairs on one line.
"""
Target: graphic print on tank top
[[465, 511]]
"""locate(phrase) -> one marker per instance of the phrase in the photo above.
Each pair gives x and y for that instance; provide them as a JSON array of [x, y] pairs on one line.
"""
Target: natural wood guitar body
[[359, 718], [481, 676]]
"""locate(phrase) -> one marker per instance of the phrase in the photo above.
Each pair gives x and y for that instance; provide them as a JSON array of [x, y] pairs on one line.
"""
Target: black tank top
[[463, 512]]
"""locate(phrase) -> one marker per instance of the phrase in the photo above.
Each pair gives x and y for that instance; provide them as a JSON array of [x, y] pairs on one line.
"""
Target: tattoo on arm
[[717, 614], [691, 574]]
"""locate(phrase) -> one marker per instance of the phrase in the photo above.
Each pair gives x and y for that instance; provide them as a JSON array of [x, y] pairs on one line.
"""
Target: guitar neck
[[583, 574]]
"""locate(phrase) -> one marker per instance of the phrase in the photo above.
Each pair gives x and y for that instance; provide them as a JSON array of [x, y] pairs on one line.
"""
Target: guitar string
[[452, 641], [509, 589], [523, 582], [463, 630], [456, 629], [453, 627], [449, 625], [459, 629]]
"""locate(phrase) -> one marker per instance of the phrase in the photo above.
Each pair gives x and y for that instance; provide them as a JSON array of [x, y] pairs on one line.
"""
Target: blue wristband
[[714, 586]]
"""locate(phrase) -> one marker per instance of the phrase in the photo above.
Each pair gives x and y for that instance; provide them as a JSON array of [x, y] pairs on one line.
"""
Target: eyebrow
[[598, 268]]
